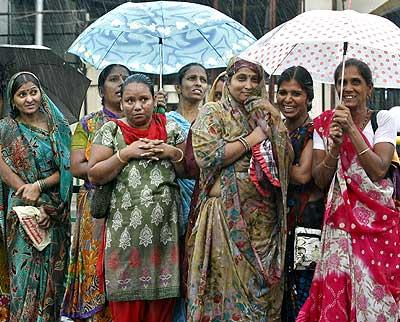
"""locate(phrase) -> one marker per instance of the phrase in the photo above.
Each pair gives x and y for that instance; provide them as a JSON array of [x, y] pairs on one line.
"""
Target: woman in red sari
[[358, 276]]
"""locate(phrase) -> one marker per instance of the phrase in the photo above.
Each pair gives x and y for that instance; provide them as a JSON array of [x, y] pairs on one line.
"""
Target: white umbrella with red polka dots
[[315, 40]]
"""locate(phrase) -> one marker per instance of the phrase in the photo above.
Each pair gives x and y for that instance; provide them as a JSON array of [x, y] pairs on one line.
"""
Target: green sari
[[36, 278], [236, 247]]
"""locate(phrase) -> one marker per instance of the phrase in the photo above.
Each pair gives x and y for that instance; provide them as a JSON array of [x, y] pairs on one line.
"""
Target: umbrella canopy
[[315, 40], [65, 85], [161, 37]]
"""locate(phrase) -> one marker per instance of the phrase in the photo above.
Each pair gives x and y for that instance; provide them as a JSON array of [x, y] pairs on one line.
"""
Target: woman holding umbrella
[[357, 278], [84, 297], [236, 248], [34, 168]]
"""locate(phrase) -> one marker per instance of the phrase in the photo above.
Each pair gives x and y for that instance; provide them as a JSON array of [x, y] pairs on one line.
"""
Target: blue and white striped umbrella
[[161, 37]]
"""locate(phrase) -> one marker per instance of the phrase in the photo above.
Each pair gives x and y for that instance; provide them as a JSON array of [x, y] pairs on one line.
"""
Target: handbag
[[101, 199], [307, 248]]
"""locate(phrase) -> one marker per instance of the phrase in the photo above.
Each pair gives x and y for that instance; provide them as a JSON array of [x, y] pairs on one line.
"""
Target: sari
[[236, 248], [186, 188], [37, 277], [84, 295], [357, 278]]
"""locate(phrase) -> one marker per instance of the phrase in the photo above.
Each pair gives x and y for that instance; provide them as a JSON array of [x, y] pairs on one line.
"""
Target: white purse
[[307, 248]]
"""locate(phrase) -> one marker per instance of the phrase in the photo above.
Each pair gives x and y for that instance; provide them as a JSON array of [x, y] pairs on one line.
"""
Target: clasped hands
[[150, 149]]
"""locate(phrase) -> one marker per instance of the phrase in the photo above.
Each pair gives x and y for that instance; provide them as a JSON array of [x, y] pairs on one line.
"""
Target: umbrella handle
[[160, 42], [345, 44]]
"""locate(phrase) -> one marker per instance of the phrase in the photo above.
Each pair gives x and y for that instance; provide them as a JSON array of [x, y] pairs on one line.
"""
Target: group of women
[[207, 202]]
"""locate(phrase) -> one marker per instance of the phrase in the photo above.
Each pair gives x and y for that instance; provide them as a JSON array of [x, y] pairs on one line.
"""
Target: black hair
[[18, 82], [21, 80], [140, 79], [184, 70], [303, 78], [362, 67], [104, 74]]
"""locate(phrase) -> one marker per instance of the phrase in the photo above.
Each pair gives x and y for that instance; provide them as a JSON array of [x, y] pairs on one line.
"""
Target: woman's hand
[[160, 99], [29, 193], [44, 219], [139, 150], [162, 150], [335, 134], [343, 117], [257, 136]]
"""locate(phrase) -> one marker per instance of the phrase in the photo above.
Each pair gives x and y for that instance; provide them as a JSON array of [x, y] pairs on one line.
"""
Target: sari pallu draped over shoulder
[[236, 247], [36, 278], [358, 276]]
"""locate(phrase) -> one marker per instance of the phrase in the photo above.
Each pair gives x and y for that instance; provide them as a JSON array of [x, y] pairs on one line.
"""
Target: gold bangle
[[180, 159], [120, 159], [331, 155], [245, 143], [364, 151], [327, 166]]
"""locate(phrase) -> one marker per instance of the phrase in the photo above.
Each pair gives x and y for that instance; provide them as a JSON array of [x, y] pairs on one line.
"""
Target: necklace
[[366, 119], [301, 124]]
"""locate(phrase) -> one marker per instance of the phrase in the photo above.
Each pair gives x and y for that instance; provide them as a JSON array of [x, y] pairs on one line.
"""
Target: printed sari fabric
[[37, 278], [84, 295], [236, 247], [186, 185], [358, 277]]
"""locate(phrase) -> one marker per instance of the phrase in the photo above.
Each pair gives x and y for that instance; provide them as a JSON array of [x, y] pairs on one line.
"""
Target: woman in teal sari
[[34, 168]]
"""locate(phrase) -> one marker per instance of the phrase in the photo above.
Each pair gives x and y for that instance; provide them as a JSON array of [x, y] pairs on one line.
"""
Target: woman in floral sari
[[358, 277], [34, 167], [84, 296], [236, 248]]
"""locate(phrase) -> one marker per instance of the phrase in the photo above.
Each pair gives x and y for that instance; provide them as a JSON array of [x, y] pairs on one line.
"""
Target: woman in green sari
[[236, 247], [34, 168]]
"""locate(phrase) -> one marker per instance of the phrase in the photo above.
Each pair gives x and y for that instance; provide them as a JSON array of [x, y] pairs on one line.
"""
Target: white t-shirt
[[386, 131]]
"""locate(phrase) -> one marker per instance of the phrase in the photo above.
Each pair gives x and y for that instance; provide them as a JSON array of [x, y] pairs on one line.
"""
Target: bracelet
[[331, 155], [42, 185], [38, 184], [364, 151], [327, 166], [120, 159], [245, 144], [180, 159]]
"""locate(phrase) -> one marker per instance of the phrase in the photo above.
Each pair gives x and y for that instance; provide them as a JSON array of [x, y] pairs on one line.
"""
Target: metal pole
[[39, 23], [160, 42], [272, 25]]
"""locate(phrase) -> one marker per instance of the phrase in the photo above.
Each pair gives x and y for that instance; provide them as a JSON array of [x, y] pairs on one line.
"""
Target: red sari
[[358, 277]]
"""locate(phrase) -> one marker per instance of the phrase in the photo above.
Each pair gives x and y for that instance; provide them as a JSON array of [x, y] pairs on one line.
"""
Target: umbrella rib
[[283, 59], [109, 48], [210, 44]]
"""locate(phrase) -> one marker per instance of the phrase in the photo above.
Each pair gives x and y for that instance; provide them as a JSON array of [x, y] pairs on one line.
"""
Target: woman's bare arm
[[79, 164], [301, 173]]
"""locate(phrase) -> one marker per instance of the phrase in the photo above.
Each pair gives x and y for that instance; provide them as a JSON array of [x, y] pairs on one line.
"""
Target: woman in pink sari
[[358, 277]]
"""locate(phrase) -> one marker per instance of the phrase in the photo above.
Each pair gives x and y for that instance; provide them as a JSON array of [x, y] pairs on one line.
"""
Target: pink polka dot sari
[[358, 276]]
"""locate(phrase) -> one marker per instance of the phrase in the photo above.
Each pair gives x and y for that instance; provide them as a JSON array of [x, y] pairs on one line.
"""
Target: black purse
[[101, 199]]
